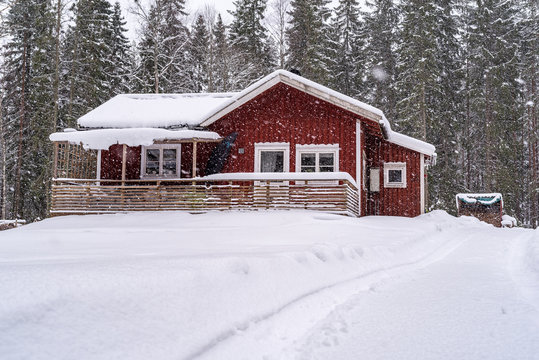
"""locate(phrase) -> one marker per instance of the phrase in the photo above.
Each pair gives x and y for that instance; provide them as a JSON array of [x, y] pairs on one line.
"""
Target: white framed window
[[317, 158], [161, 160], [395, 175], [272, 157]]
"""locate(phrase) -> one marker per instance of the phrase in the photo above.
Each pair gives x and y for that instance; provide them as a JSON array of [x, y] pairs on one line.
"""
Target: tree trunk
[[17, 194]]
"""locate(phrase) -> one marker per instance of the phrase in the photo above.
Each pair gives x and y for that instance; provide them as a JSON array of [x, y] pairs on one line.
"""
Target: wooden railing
[[333, 193]]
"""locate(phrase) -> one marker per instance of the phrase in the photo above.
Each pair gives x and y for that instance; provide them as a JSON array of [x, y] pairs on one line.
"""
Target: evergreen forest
[[460, 74]]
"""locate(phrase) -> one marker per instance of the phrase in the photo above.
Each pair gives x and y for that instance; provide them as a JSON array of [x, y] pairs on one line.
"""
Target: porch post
[[194, 173], [55, 165], [124, 156]]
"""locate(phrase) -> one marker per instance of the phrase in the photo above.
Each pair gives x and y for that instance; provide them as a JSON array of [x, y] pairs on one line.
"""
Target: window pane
[[169, 154], [326, 169], [326, 159], [395, 176], [169, 161], [308, 169], [152, 162], [308, 159], [272, 161]]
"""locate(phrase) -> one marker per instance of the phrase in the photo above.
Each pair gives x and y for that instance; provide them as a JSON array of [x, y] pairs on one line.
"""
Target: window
[[272, 157], [160, 161], [395, 175], [317, 158]]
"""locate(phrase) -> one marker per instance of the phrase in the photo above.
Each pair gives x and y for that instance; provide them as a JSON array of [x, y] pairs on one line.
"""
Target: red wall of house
[[394, 201], [111, 163], [285, 114]]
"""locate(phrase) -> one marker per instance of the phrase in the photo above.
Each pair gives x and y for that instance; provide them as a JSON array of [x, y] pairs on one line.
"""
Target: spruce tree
[[380, 32], [308, 39], [222, 56], [250, 42], [198, 55], [121, 56], [163, 48], [347, 60]]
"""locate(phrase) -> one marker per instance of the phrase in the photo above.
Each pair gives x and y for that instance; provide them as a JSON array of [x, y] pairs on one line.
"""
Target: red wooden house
[[283, 143]]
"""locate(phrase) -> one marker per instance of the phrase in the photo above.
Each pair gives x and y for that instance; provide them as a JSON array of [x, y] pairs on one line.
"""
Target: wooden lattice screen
[[74, 162]]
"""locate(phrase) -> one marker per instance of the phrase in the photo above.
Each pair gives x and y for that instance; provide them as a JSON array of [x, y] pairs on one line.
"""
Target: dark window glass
[[152, 162], [169, 161], [326, 162], [395, 176], [272, 161], [308, 162]]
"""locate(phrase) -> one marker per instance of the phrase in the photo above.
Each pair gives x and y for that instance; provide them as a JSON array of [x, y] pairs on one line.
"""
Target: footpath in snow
[[268, 285]]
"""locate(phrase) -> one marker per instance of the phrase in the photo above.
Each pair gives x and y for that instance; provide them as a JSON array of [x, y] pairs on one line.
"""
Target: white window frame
[[394, 166], [178, 148], [317, 149], [259, 147]]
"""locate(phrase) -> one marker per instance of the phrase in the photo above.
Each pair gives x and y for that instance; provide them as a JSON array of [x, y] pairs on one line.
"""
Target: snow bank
[[172, 285], [104, 138], [153, 110]]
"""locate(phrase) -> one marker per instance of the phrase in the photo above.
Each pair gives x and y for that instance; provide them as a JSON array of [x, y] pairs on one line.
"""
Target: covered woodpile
[[485, 207]]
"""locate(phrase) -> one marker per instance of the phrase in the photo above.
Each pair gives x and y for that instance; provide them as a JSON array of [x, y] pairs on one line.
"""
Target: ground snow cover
[[229, 285]]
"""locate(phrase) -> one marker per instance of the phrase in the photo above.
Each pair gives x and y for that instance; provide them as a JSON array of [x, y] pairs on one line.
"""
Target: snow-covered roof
[[153, 110], [104, 138], [324, 93], [483, 199], [170, 110]]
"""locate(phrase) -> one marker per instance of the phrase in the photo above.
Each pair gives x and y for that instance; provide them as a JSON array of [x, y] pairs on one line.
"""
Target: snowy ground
[[268, 285]]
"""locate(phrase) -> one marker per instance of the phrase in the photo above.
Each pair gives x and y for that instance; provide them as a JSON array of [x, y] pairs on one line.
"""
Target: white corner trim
[[359, 162], [143, 149], [98, 167], [317, 148], [394, 166], [277, 146], [422, 182]]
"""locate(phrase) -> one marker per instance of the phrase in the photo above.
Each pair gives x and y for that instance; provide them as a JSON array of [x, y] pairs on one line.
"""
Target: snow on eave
[[322, 92], [102, 139]]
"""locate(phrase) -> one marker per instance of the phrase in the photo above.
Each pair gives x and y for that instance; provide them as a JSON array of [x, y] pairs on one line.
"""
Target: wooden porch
[[335, 193]]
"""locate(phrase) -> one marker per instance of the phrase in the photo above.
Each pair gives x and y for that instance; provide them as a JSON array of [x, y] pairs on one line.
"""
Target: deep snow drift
[[244, 285]]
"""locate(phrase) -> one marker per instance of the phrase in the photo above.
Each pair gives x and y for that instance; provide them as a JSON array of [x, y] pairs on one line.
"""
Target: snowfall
[[268, 285]]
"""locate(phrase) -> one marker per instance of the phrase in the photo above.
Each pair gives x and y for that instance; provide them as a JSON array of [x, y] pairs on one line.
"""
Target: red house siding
[[111, 163], [285, 114], [394, 201]]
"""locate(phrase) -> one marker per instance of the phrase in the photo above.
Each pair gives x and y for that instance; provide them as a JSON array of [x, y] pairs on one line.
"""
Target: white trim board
[[422, 182]]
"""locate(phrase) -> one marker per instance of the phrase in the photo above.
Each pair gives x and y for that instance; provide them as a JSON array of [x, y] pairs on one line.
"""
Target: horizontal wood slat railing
[[83, 196]]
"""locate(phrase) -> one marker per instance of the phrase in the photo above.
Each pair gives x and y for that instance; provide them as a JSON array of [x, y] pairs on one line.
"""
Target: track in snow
[[461, 302], [466, 306]]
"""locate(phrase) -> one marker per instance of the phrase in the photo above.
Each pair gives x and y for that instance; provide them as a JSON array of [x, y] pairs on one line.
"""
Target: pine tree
[[250, 42], [307, 39]]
